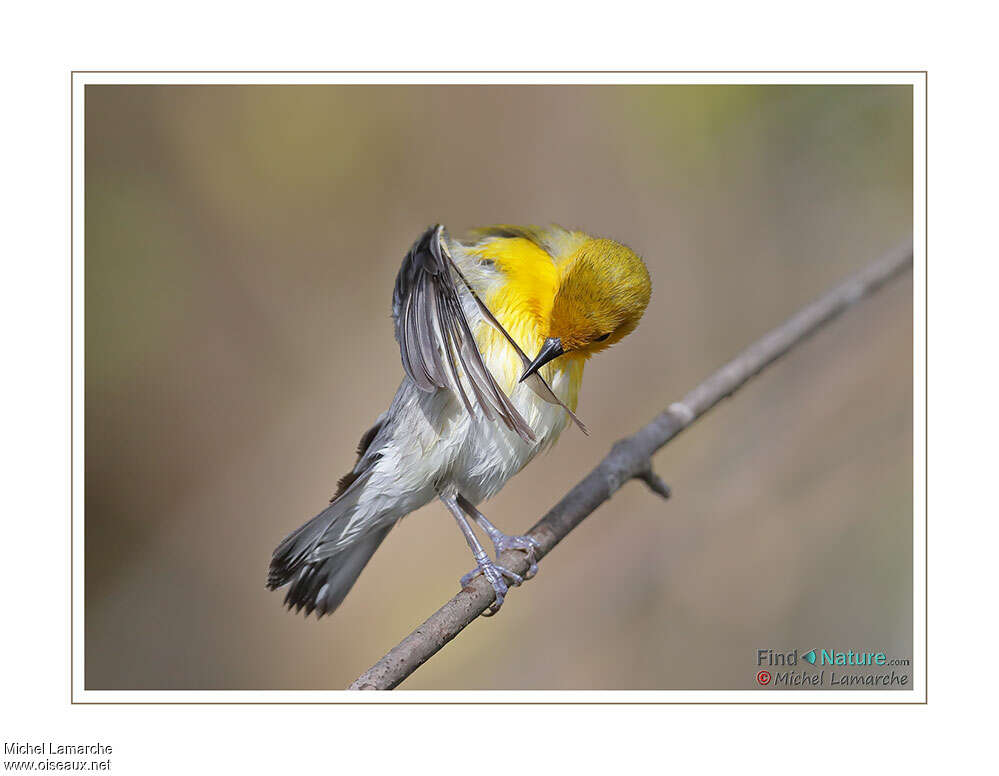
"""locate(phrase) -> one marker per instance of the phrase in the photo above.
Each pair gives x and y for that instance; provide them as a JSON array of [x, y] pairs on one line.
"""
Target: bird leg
[[500, 540], [490, 570]]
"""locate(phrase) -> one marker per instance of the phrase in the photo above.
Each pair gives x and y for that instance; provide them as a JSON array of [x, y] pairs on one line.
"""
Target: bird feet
[[527, 544], [462, 509], [495, 574]]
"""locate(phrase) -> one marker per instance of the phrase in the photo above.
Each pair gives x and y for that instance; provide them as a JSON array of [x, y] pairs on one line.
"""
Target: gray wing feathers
[[367, 455], [435, 340]]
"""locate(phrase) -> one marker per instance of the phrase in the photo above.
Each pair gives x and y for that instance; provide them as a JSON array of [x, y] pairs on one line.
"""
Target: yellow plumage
[[522, 303], [602, 288]]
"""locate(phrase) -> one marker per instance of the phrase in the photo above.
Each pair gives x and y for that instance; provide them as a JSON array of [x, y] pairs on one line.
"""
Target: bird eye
[[602, 337]]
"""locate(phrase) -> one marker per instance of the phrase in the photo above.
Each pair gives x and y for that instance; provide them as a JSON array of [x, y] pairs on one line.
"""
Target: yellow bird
[[472, 409]]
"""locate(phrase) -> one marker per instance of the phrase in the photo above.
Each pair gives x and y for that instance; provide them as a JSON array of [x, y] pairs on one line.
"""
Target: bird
[[472, 409]]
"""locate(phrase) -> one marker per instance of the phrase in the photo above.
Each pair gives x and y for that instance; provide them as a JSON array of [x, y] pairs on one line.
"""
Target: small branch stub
[[654, 481]]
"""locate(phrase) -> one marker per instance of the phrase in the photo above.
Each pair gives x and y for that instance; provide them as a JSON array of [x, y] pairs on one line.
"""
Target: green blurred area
[[241, 245]]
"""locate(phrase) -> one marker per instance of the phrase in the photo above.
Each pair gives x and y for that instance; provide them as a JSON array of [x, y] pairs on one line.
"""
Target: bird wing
[[366, 457], [435, 340]]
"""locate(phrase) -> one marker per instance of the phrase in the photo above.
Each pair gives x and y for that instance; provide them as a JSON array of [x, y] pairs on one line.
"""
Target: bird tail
[[320, 578]]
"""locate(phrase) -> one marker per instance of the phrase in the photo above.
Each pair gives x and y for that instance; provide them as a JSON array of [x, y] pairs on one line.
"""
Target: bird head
[[602, 292]]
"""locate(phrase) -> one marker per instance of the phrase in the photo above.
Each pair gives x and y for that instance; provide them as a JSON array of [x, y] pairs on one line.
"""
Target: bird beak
[[550, 350]]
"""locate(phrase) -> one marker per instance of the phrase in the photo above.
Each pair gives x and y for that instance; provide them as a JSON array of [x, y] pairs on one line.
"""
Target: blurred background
[[241, 246]]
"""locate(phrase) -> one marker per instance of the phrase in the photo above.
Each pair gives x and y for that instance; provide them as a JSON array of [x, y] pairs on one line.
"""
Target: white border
[[919, 692]]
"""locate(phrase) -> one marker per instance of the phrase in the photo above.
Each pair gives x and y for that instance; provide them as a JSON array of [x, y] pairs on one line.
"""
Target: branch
[[630, 458]]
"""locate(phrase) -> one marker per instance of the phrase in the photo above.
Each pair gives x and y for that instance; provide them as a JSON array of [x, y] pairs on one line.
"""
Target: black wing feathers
[[365, 460], [435, 340]]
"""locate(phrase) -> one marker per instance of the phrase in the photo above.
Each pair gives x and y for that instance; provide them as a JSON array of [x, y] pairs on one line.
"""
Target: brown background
[[241, 244]]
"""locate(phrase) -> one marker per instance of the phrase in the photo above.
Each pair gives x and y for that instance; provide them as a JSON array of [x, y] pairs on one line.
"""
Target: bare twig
[[630, 458]]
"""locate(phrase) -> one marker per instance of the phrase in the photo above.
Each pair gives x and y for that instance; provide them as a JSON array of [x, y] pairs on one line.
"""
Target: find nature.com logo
[[789, 669]]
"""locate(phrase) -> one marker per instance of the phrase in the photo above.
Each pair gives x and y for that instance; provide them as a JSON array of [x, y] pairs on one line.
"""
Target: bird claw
[[494, 573], [527, 544]]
